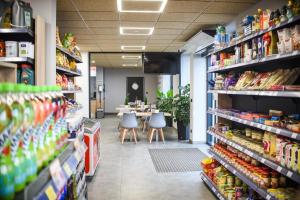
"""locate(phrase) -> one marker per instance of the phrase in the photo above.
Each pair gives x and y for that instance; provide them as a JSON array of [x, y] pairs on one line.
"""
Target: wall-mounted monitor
[[162, 63]]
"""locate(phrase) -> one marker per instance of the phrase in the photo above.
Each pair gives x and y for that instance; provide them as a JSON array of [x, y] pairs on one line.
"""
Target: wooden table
[[132, 108], [144, 114]]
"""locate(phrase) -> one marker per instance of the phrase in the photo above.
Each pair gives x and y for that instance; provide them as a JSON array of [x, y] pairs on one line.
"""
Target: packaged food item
[[26, 49], [11, 48], [27, 74], [2, 48]]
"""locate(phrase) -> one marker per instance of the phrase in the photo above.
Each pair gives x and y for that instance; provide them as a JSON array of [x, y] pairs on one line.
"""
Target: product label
[[15, 142]]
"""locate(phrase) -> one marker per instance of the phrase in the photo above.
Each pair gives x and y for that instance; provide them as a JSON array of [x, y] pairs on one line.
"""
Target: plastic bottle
[[6, 164]]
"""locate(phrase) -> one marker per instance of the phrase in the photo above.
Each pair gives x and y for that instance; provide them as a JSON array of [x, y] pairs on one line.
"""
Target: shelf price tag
[[279, 169], [269, 128], [50, 193], [263, 160], [294, 135], [67, 169], [268, 197], [57, 174], [289, 174], [277, 131]]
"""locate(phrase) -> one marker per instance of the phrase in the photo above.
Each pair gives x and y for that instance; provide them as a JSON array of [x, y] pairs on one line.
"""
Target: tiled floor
[[126, 172]]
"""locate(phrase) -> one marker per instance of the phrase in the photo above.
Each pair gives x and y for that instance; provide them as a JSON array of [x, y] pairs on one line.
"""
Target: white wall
[[198, 96], [115, 86], [164, 83], [185, 69], [83, 82], [47, 10]]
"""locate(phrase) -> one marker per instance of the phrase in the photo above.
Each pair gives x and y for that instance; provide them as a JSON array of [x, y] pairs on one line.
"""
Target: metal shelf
[[70, 91], [17, 60], [292, 175], [43, 179], [272, 129], [293, 94], [262, 61], [16, 34], [212, 186], [68, 72], [260, 33], [69, 54], [263, 193]]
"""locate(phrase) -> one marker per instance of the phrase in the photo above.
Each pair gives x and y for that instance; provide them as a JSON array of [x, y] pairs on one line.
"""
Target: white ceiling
[[96, 23]]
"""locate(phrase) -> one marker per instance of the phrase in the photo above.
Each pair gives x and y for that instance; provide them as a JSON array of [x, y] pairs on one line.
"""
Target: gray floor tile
[[126, 172]]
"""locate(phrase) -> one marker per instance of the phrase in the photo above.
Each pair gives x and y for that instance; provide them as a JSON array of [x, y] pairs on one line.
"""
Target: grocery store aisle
[[126, 172]]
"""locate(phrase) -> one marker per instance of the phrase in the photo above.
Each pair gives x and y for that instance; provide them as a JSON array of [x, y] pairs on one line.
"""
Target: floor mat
[[176, 160]]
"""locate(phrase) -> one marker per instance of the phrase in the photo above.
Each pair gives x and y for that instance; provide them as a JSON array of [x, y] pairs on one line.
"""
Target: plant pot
[[169, 121], [183, 131]]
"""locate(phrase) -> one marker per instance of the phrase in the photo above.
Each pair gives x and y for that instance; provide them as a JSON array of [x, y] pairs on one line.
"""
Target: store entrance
[[135, 88]]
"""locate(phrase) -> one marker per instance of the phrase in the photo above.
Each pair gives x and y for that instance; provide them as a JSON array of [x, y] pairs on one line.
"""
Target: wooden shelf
[[8, 72]]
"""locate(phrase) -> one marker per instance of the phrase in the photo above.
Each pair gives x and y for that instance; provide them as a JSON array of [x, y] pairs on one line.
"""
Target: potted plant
[[126, 100], [181, 106], [165, 104]]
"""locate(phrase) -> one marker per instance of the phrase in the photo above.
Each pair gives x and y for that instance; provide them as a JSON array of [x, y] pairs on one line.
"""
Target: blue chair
[[156, 123], [128, 123]]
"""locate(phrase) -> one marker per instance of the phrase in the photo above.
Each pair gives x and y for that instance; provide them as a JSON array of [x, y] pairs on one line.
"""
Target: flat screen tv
[[162, 63]]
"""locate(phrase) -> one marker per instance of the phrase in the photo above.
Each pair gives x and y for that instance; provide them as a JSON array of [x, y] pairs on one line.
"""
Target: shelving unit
[[8, 72], [212, 186], [68, 72], [37, 189], [290, 94], [69, 54], [70, 91], [220, 102], [272, 129], [17, 34], [290, 22], [17, 60], [281, 169], [263, 193]]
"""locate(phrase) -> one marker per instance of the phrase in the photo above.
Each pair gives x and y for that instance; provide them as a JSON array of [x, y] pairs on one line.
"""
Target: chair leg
[[134, 135], [123, 135], [151, 134], [162, 135]]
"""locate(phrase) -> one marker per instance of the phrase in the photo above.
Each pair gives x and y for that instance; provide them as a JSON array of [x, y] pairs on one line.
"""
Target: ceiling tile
[[69, 15], [106, 31], [154, 49], [64, 5], [160, 37], [75, 31], [110, 16], [71, 24], [85, 41], [103, 24], [171, 49], [215, 18], [160, 41], [172, 25], [107, 37], [145, 17], [186, 6], [163, 31], [95, 5], [178, 17], [227, 7], [133, 37], [137, 24]]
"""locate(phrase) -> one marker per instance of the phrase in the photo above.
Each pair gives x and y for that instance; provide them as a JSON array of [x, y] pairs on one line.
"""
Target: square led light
[[161, 8], [133, 48], [129, 65], [128, 57], [136, 30]]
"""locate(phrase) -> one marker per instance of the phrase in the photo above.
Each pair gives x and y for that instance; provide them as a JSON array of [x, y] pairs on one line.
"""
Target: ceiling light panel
[[141, 6], [129, 57], [136, 30], [129, 65], [133, 48]]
